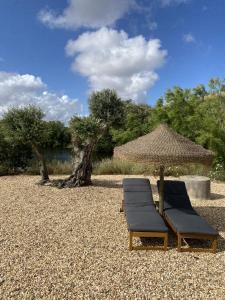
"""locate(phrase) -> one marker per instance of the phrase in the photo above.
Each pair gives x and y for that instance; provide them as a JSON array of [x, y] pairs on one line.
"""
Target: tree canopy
[[197, 113]]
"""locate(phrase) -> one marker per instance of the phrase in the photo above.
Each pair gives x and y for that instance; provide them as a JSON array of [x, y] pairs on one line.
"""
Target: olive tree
[[26, 126], [106, 111]]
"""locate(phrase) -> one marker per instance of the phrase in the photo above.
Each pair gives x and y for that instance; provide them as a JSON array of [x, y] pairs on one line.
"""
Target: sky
[[55, 53]]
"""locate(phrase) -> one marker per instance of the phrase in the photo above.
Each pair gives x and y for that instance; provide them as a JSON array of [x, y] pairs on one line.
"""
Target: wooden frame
[[163, 235], [184, 236], [122, 206]]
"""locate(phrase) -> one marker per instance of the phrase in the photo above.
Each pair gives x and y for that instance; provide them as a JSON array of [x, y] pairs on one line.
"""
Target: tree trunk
[[82, 167], [161, 190], [42, 164]]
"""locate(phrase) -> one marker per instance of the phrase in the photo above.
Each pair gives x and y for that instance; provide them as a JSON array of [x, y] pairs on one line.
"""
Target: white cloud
[[19, 90], [87, 13], [189, 38], [165, 3], [110, 59]]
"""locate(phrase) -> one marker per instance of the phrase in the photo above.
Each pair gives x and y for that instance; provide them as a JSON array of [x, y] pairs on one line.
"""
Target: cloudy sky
[[54, 53]]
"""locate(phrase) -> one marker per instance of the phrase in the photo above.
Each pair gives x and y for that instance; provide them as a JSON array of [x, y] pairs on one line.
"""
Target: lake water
[[59, 154]]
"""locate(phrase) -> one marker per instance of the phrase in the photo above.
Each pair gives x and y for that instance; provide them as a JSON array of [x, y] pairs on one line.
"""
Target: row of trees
[[197, 113], [25, 128], [15, 152]]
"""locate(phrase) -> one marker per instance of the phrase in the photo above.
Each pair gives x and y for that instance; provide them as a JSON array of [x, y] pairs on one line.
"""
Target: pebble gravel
[[58, 244]]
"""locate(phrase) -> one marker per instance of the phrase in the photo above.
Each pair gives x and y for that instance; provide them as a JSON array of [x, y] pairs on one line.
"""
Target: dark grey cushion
[[188, 221], [179, 211], [145, 220], [138, 198], [140, 207], [135, 181], [137, 188], [175, 195]]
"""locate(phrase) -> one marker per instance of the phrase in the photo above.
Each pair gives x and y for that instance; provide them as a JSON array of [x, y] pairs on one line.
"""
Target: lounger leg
[[179, 243], [165, 242], [214, 246], [122, 206], [130, 241]]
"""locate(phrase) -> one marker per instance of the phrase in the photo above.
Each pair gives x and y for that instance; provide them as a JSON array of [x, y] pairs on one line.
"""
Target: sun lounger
[[183, 219], [142, 218]]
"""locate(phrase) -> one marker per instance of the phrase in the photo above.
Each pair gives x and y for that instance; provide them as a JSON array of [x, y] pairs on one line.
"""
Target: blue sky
[[54, 53]]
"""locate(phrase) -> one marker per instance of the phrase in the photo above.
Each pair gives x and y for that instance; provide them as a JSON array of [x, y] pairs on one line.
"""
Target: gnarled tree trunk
[[82, 167], [42, 164]]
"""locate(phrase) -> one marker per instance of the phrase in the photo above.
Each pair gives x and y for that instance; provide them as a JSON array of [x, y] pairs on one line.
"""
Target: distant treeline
[[197, 113]]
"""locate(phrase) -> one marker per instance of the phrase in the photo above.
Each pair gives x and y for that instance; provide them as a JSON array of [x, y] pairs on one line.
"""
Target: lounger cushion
[[137, 188], [137, 198], [135, 181], [188, 221], [139, 206], [175, 195], [145, 220], [179, 211]]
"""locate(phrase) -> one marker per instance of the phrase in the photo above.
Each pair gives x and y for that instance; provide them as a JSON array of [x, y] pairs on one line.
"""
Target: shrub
[[55, 167], [4, 170], [114, 166], [218, 172]]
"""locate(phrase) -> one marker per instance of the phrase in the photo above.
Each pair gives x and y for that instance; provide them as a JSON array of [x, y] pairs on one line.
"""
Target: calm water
[[66, 155], [59, 154]]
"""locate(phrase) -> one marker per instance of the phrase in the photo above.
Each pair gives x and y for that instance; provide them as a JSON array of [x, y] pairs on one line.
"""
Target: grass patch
[[55, 167], [114, 166]]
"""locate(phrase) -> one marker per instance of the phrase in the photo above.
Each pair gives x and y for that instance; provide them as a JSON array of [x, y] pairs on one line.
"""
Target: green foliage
[[105, 146], [180, 106], [107, 107], [57, 135], [211, 134], [85, 130], [197, 113], [25, 125], [107, 111], [216, 85], [136, 123], [218, 172], [114, 166], [13, 155], [159, 114]]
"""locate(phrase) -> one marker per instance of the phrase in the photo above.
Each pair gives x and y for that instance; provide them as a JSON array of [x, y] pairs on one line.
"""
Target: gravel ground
[[73, 244]]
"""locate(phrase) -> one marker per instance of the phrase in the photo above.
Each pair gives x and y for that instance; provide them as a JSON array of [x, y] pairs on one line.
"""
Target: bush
[[188, 169], [218, 172], [4, 170], [114, 166], [57, 167]]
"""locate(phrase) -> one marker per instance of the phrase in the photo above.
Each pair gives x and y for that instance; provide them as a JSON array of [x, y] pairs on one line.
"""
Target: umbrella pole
[[161, 189]]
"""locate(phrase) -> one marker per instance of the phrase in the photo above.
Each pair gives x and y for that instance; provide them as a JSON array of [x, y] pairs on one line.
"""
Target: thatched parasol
[[163, 147]]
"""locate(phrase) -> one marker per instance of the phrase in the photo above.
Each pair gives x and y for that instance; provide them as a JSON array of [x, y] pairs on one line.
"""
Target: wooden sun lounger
[[184, 220], [142, 218]]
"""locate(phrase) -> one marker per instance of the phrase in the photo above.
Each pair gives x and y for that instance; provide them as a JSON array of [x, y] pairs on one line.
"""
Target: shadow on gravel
[[107, 183], [217, 196]]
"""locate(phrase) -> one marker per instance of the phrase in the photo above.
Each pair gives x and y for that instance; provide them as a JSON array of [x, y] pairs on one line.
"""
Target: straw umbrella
[[163, 147]]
